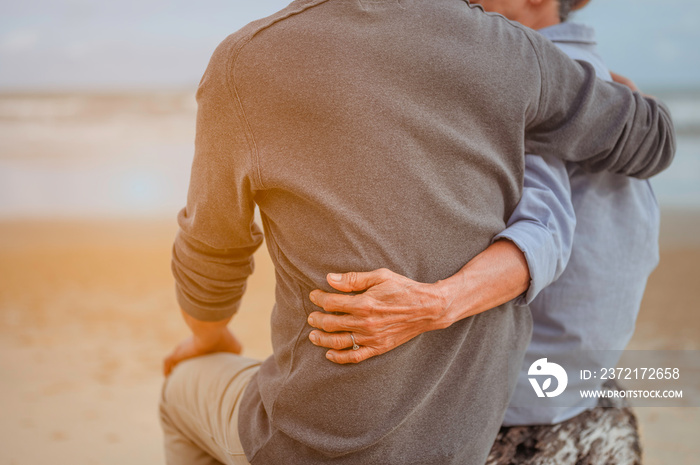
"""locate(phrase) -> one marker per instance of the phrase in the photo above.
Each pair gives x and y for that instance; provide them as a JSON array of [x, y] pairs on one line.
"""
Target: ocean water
[[95, 156], [129, 156], [679, 186]]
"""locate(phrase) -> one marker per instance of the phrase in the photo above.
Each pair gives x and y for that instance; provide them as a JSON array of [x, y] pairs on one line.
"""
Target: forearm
[[210, 331], [497, 275]]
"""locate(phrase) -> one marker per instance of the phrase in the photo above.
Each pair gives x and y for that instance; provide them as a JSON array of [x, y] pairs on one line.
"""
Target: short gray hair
[[565, 7]]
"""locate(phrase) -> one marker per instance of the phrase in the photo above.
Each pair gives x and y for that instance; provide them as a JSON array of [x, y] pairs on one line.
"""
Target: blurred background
[[96, 139]]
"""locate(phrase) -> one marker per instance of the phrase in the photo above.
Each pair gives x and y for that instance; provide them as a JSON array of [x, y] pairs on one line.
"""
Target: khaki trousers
[[199, 409]]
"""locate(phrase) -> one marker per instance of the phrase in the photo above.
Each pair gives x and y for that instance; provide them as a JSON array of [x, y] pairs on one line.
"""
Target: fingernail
[[311, 320], [335, 277], [329, 356], [313, 337], [312, 297]]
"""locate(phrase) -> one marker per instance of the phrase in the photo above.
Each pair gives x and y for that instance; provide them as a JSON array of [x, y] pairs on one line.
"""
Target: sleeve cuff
[[536, 243], [204, 314]]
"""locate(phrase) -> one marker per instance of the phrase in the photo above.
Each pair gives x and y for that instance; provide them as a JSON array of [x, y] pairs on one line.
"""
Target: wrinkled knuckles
[[352, 279], [341, 341], [324, 300], [371, 325], [325, 325], [365, 304], [383, 346], [385, 274]]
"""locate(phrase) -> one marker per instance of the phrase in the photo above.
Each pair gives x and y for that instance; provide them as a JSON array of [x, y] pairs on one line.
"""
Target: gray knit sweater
[[384, 133]]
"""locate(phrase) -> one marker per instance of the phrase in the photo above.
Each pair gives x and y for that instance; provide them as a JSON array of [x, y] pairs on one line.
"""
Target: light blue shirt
[[611, 245]]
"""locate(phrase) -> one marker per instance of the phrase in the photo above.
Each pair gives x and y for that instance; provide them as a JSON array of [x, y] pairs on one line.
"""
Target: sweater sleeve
[[212, 255], [602, 126], [543, 223]]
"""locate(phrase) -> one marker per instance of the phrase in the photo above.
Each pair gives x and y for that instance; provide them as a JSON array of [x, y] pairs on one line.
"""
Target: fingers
[[231, 344], [358, 305], [333, 340], [358, 281], [344, 357], [350, 282], [180, 353], [332, 323], [341, 347], [339, 302], [168, 364], [620, 79]]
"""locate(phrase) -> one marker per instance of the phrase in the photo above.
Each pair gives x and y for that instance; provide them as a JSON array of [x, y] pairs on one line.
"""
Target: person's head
[[567, 6], [535, 14]]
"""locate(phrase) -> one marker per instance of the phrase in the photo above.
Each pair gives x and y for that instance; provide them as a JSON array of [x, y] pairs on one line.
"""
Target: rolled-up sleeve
[[543, 223], [212, 255], [603, 126]]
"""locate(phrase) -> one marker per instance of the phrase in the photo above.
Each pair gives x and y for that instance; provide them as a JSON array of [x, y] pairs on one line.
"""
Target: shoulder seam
[[526, 33], [541, 103], [231, 81]]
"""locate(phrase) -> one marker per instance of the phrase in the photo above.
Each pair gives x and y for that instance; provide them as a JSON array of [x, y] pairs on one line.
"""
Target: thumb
[[170, 361], [357, 281]]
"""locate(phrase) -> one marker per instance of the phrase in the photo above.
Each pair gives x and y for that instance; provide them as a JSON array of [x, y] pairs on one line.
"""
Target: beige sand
[[87, 312]]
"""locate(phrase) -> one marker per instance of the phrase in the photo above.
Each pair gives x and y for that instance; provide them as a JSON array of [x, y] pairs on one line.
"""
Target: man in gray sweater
[[371, 134]]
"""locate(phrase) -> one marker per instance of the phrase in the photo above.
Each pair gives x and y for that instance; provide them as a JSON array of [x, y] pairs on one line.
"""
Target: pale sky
[[153, 44]]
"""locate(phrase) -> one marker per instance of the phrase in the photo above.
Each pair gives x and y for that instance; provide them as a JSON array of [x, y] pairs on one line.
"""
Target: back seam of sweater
[[231, 78]]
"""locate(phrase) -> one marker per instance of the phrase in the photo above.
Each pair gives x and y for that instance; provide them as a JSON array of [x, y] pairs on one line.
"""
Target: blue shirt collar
[[570, 32]]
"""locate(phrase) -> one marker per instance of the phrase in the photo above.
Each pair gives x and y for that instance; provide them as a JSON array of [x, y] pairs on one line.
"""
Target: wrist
[[210, 337], [450, 305], [207, 333]]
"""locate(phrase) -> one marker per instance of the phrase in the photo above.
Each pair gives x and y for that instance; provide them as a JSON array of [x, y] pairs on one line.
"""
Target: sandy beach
[[87, 312], [86, 315]]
